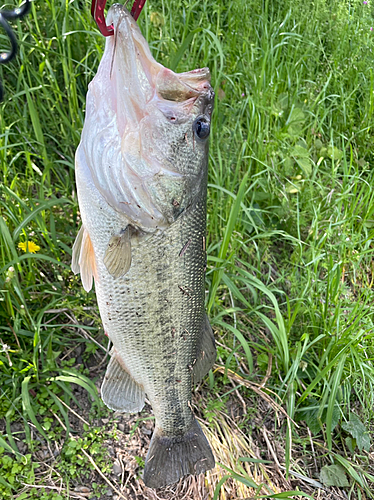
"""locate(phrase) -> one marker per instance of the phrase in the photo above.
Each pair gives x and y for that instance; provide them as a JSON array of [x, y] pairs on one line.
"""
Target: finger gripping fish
[[141, 172]]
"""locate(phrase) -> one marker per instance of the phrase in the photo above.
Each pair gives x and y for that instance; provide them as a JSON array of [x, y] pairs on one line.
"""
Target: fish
[[141, 174]]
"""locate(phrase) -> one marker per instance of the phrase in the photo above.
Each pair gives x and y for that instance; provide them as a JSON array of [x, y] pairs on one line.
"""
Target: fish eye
[[201, 127]]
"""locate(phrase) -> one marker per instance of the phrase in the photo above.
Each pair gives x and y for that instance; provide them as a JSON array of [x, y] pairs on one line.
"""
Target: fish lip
[[117, 12], [187, 88], [127, 142]]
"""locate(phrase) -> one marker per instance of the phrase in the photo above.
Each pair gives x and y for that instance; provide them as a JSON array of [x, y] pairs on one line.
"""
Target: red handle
[[97, 11], [137, 8]]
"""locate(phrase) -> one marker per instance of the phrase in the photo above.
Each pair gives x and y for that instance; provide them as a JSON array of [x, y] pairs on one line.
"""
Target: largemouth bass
[[141, 173]]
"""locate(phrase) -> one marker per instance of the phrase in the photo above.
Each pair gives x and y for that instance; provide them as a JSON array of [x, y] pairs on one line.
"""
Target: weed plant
[[290, 214]]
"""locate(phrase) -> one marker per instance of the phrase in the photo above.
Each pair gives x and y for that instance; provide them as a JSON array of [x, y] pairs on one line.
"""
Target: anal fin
[[206, 352], [117, 258], [119, 391]]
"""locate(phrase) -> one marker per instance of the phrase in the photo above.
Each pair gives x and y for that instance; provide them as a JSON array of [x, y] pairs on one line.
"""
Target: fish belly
[[154, 315]]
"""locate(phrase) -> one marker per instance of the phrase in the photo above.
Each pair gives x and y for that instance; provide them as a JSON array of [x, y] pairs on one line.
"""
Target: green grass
[[290, 210]]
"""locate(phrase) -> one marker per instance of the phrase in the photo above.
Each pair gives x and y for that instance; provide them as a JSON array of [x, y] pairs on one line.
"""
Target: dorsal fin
[[206, 352], [83, 259]]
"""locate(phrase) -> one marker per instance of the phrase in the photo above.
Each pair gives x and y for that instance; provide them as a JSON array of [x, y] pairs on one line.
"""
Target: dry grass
[[265, 449]]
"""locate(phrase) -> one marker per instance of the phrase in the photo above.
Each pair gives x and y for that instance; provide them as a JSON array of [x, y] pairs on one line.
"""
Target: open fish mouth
[[141, 79], [138, 140]]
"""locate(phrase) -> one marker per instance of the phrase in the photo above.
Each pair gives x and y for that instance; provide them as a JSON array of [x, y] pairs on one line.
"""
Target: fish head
[[149, 157]]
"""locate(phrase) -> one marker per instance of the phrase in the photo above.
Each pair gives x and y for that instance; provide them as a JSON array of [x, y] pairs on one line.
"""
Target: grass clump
[[14, 471], [75, 464], [290, 231]]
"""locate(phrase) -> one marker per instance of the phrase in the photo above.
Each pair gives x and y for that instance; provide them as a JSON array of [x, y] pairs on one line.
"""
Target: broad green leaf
[[334, 475], [299, 151], [306, 165], [358, 431], [350, 443], [281, 105], [335, 153], [310, 415], [282, 101], [263, 360], [297, 115], [334, 418], [332, 152]]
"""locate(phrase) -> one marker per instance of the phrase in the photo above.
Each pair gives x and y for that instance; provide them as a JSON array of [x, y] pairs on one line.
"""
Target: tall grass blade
[[235, 209], [28, 409], [332, 398]]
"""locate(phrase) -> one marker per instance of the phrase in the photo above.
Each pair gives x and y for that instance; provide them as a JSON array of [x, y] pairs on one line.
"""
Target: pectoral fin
[[83, 258], [117, 258], [76, 252], [206, 354], [119, 390]]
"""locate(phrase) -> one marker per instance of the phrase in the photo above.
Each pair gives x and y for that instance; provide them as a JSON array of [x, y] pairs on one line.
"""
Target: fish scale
[[159, 308], [142, 195]]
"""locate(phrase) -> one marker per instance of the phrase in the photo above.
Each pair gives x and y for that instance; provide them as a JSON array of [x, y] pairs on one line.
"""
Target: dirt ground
[[229, 443], [264, 446]]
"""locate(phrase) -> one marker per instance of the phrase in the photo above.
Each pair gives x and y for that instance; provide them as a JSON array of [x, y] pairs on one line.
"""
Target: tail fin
[[171, 457]]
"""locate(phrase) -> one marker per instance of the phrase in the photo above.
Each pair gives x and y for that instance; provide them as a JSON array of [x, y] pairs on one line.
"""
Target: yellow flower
[[28, 246]]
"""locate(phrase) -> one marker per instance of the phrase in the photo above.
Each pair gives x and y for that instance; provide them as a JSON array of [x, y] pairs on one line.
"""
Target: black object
[[5, 16], [201, 127]]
